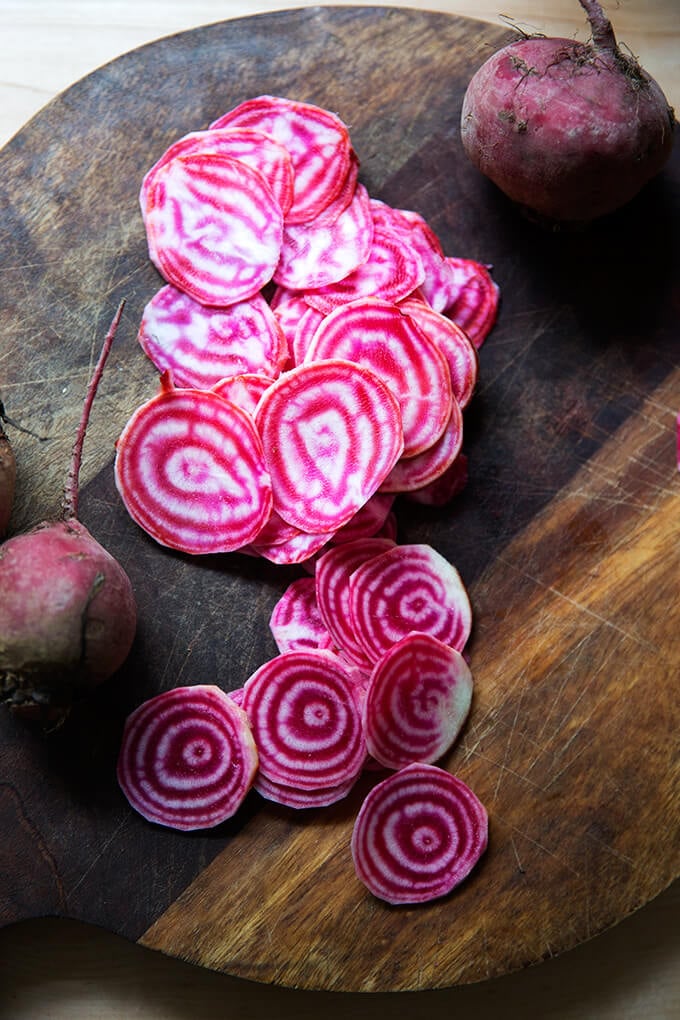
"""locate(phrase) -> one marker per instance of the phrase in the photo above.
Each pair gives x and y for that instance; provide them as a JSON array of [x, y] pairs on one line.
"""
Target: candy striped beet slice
[[412, 473], [417, 700], [378, 335], [305, 720], [187, 758], [190, 470], [315, 255], [202, 344], [453, 341], [213, 227], [472, 298], [293, 797], [256, 149], [244, 389], [296, 621], [318, 143], [331, 432], [418, 834], [408, 588]]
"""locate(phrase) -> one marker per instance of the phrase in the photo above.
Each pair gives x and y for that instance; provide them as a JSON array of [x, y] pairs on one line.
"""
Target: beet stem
[[600, 25], [71, 491]]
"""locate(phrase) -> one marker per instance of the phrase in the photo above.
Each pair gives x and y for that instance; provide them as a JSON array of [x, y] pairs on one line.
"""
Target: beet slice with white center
[[331, 432], [333, 570], [187, 758], [258, 150], [296, 620], [378, 335], [305, 720], [318, 254], [418, 834], [416, 702], [213, 227], [190, 470], [392, 271], [408, 588], [201, 345], [317, 141]]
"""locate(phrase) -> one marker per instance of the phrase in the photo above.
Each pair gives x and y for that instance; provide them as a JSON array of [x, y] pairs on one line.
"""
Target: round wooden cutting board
[[567, 535]]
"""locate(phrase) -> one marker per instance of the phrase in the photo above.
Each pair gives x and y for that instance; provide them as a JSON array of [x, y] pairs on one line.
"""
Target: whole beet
[[67, 608], [569, 131]]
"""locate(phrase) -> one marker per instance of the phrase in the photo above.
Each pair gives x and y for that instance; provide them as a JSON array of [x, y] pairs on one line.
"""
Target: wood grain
[[567, 534]]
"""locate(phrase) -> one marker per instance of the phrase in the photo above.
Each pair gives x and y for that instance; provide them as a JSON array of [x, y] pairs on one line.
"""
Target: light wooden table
[[54, 970]]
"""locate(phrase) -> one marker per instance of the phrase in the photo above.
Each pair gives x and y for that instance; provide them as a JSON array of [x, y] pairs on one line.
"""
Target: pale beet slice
[[187, 758], [377, 335], [418, 834], [416, 702], [408, 588], [255, 148], [331, 432], [200, 344], [332, 573], [316, 139], [213, 227], [191, 472], [296, 620], [459, 351], [305, 720]]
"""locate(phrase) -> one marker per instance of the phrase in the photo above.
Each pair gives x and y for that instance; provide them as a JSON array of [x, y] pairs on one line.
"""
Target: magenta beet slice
[[472, 299], [333, 570], [293, 797], [408, 588], [213, 227], [318, 254], [447, 485], [410, 474], [187, 758], [190, 470], [305, 720], [296, 620], [368, 520], [331, 432], [258, 150], [379, 336], [459, 351], [417, 835], [201, 345], [417, 700], [392, 271], [317, 141]]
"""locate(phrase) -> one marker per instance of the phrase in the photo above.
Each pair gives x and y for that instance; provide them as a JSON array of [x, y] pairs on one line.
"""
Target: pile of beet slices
[[316, 350]]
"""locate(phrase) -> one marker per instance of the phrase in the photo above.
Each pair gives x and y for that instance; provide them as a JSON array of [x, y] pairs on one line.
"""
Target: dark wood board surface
[[567, 535]]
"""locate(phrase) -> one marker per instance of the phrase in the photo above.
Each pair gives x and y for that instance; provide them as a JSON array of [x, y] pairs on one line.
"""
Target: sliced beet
[[201, 345], [296, 620], [187, 758], [331, 432], [459, 351], [416, 702], [244, 389], [417, 835], [447, 485], [305, 720], [408, 588], [213, 227], [472, 299], [410, 474], [190, 470], [294, 797]]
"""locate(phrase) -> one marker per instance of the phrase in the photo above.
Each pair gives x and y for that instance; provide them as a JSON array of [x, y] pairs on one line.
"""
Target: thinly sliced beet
[[187, 758], [333, 570], [453, 341], [214, 228], [368, 520], [190, 470], [417, 835], [255, 148], [378, 335], [416, 702], [319, 254], [296, 620], [412, 473], [392, 271], [408, 588], [244, 389], [443, 489], [293, 797], [473, 298], [201, 345], [305, 720], [318, 143], [331, 432]]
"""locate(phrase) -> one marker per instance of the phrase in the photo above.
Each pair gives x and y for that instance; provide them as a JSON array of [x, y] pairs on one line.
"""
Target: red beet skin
[[567, 130]]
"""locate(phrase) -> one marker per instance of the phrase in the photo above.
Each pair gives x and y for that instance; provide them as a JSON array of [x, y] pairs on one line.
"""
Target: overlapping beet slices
[[317, 349]]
